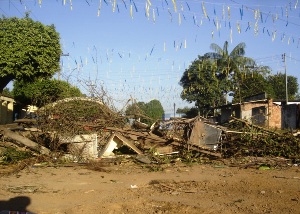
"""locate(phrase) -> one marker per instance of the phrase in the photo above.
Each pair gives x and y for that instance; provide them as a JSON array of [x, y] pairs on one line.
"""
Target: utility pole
[[174, 109], [286, 88]]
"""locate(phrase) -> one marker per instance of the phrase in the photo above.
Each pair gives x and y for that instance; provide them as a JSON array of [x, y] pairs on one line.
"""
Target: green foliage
[[12, 155], [193, 112], [154, 110], [214, 75], [148, 112], [182, 110], [201, 85], [229, 65], [135, 110], [28, 49], [43, 91], [277, 82], [250, 82], [190, 157], [6, 92], [219, 73]]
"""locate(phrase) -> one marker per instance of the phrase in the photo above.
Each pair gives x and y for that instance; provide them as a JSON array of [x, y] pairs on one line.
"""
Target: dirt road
[[130, 188]]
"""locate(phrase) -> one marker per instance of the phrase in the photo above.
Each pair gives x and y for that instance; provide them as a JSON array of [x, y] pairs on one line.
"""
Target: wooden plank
[[147, 135]]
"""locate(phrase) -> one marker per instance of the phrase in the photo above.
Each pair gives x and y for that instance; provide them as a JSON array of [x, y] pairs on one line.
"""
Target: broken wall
[[275, 115], [289, 116], [82, 145], [225, 114], [255, 112]]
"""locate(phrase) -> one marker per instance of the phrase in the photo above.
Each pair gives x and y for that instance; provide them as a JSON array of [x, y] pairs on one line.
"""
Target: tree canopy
[[278, 83], [229, 65], [43, 91], [251, 81], [6, 92], [201, 85], [218, 73], [147, 112], [28, 49]]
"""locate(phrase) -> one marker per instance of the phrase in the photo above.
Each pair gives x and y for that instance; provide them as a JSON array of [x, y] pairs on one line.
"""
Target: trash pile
[[81, 129]]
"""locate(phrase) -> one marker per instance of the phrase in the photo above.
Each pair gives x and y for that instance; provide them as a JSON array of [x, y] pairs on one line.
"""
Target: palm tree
[[230, 65]]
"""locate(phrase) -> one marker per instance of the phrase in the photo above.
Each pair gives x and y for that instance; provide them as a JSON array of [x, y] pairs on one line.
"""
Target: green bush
[[12, 155]]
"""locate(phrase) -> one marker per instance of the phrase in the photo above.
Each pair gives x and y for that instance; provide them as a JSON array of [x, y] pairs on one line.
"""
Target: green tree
[[147, 112], [6, 92], [252, 81], [182, 111], [201, 85], [188, 112], [154, 110], [43, 91], [28, 49], [278, 84], [193, 112], [135, 110], [229, 65]]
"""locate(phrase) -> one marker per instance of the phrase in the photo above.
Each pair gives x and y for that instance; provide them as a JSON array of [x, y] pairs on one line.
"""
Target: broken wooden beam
[[149, 136], [25, 141]]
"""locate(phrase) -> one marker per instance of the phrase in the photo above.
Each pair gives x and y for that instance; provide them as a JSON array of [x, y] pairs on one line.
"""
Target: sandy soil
[[132, 188]]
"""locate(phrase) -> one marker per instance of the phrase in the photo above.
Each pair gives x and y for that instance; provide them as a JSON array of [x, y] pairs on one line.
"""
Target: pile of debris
[[84, 129], [245, 139]]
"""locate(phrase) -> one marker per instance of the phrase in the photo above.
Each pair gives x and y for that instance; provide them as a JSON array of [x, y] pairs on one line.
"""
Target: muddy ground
[[134, 188]]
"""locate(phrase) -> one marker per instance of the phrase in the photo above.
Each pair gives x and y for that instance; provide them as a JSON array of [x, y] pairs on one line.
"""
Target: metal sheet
[[205, 135]]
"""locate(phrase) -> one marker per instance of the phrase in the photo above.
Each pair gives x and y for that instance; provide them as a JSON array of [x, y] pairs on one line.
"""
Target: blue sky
[[140, 48]]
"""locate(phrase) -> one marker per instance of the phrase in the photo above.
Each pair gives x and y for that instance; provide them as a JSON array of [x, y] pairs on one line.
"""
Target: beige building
[[260, 110], [6, 110]]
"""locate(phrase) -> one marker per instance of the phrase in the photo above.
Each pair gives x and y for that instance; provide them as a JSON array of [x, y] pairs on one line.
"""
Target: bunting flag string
[[171, 18], [124, 4], [152, 50], [131, 15], [235, 15], [99, 7], [228, 9], [223, 13], [256, 28], [204, 10], [238, 27], [218, 25], [274, 35], [114, 5], [147, 9], [242, 12], [190, 8], [135, 7]]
